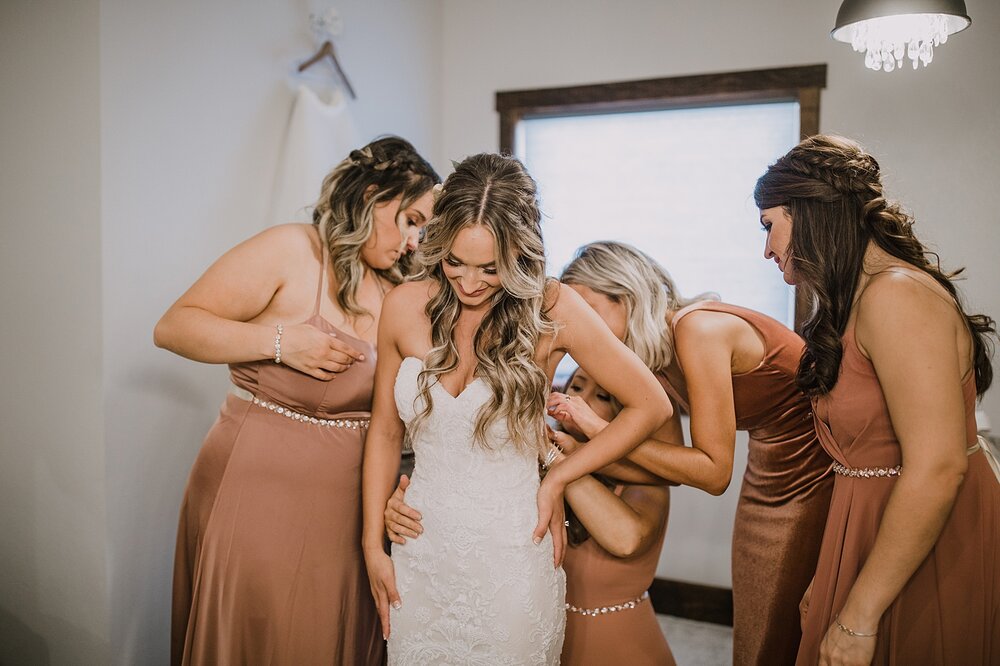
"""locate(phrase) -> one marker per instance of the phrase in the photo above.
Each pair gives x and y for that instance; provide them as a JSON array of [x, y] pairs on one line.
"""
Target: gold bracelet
[[851, 632]]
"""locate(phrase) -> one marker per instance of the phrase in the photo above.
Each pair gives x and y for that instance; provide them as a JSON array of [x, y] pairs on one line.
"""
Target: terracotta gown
[[783, 500], [595, 579], [268, 566], [949, 610]]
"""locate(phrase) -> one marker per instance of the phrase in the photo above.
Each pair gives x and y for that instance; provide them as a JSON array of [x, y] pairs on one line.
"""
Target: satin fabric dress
[[268, 566], [597, 579], [949, 610], [784, 497]]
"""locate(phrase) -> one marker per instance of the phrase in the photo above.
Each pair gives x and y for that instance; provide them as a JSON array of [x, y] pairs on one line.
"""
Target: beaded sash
[[876, 472], [604, 610], [866, 472], [352, 424]]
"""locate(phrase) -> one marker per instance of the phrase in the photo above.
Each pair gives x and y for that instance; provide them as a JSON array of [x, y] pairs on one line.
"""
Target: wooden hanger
[[327, 50]]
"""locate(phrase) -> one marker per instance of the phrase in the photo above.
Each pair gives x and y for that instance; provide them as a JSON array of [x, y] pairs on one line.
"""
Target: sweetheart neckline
[[438, 382]]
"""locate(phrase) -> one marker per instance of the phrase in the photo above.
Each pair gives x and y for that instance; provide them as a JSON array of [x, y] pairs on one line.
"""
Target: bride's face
[[471, 267]]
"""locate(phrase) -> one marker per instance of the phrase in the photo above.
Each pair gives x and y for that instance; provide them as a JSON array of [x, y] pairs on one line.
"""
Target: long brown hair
[[832, 190], [344, 211]]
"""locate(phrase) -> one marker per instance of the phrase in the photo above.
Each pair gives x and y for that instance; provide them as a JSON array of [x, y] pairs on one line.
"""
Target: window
[[667, 165]]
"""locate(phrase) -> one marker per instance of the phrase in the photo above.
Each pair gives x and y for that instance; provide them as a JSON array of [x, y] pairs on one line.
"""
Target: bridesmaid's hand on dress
[[382, 580], [401, 520], [315, 353], [551, 516]]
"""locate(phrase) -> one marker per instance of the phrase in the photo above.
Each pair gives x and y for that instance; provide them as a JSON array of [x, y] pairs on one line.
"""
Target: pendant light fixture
[[887, 30]]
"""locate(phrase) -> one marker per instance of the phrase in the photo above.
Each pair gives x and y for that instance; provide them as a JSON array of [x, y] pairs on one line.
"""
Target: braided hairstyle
[[832, 190], [344, 212]]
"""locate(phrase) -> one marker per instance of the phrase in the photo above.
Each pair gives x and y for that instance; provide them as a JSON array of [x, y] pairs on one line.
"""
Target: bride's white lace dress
[[474, 588]]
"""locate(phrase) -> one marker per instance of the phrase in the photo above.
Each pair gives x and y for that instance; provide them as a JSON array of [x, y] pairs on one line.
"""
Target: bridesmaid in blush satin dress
[[616, 533], [268, 566]]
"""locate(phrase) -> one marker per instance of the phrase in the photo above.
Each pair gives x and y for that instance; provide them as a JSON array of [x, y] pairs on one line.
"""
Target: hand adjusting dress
[[474, 588], [268, 567]]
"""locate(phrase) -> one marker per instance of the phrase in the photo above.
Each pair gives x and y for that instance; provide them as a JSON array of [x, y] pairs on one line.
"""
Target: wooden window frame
[[800, 84]]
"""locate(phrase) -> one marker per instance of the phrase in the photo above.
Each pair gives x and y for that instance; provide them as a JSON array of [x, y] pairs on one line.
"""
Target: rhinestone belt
[[867, 472], [352, 424], [603, 610]]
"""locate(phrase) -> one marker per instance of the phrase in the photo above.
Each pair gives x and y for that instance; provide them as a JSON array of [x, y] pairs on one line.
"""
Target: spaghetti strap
[[917, 276], [322, 273]]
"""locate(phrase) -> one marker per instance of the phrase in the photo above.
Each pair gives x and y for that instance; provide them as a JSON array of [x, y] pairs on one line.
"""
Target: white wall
[[53, 580], [194, 100], [935, 131]]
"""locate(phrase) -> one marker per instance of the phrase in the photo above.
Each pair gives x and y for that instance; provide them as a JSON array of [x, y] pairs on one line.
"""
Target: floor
[[698, 643]]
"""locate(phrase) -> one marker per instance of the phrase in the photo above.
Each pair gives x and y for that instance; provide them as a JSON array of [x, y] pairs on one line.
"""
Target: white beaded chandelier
[[887, 30]]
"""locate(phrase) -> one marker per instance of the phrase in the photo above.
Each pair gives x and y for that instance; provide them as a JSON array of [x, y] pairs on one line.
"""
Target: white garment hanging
[[319, 135]]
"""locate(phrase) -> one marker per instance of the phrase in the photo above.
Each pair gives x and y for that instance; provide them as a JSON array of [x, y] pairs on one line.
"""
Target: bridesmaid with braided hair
[[909, 567], [268, 566]]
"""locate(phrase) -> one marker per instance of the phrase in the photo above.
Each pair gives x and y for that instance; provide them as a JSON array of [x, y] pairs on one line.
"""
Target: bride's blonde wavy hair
[[344, 213], [494, 191], [629, 276]]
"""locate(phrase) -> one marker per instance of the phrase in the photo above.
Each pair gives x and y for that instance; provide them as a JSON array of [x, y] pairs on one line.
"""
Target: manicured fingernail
[[537, 540], [361, 358], [396, 604]]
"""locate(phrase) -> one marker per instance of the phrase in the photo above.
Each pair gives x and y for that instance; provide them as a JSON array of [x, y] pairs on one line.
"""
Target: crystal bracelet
[[277, 342]]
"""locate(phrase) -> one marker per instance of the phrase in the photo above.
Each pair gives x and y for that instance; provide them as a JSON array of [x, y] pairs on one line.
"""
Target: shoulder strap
[[700, 305], [918, 276], [322, 270]]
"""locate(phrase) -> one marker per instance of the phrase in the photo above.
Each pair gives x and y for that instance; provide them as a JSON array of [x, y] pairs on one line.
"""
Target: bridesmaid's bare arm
[[624, 526], [579, 416], [913, 338], [229, 314], [704, 348]]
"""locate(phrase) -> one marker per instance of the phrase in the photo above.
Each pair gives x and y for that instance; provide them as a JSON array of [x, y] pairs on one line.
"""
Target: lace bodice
[[474, 588]]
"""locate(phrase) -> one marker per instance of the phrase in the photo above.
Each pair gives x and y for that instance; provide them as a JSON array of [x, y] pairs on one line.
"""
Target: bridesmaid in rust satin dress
[[784, 496], [268, 566], [947, 612], [909, 569], [616, 533]]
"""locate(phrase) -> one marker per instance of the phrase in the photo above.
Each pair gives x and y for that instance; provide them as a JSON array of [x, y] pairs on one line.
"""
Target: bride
[[465, 361]]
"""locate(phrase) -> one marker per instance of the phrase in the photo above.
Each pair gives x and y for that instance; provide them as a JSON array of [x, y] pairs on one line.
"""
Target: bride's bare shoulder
[[409, 299], [561, 302]]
